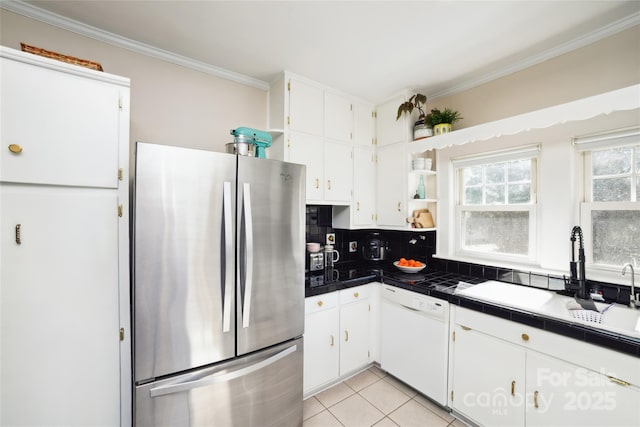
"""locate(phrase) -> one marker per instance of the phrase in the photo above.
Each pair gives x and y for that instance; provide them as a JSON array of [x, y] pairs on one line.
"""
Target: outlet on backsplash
[[331, 239]]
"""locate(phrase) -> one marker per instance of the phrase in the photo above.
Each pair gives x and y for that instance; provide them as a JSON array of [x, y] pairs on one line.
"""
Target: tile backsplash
[[422, 246]]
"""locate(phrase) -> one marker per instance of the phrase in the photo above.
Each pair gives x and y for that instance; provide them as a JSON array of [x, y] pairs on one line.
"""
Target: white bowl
[[409, 269], [313, 247]]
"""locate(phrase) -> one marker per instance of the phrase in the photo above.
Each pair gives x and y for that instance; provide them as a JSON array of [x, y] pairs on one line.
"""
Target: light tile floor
[[373, 398]]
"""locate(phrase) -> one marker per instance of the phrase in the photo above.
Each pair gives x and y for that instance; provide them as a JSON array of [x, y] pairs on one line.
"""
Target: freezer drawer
[[262, 389]]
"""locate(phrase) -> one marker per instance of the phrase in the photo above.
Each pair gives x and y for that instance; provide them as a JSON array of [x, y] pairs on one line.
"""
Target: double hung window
[[496, 204], [610, 213]]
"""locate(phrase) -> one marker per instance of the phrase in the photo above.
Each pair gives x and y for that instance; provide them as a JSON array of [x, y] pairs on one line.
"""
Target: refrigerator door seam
[[220, 378]]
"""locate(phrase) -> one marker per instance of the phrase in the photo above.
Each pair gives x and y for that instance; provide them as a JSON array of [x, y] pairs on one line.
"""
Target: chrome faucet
[[634, 301]]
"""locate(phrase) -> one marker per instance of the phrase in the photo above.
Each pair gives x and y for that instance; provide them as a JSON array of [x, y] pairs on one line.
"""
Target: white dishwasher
[[415, 340]]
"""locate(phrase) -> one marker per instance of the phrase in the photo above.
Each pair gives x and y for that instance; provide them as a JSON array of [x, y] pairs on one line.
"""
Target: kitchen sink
[[612, 317]]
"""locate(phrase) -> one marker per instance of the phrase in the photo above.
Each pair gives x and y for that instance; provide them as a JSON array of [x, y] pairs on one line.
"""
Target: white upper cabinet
[[391, 179], [364, 186], [308, 150], [53, 119], [388, 129], [364, 125], [338, 117], [338, 172], [306, 107]]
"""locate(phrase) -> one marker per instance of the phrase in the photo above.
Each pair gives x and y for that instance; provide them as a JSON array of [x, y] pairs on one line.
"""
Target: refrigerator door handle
[[227, 255], [248, 265], [220, 378]]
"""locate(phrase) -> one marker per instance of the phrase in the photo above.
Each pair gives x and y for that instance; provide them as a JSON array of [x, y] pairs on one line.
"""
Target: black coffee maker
[[375, 248]]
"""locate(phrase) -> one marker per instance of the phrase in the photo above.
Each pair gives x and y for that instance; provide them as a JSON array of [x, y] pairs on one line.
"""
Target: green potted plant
[[441, 120], [420, 128]]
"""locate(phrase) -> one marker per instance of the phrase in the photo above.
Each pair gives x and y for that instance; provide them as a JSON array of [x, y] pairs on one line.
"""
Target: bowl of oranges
[[409, 265]]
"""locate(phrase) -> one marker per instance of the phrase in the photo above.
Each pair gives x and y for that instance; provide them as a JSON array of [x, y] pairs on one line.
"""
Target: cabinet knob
[[355, 294], [15, 148], [525, 337], [320, 303]]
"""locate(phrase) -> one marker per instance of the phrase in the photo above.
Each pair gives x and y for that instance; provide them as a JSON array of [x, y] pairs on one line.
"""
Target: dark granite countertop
[[443, 285]]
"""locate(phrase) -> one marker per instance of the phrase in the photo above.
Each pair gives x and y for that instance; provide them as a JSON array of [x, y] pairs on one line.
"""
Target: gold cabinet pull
[[355, 294], [618, 381], [15, 148], [535, 399], [18, 239], [513, 388], [317, 183], [399, 206], [328, 184], [357, 206], [346, 335], [525, 337], [331, 340], [320, 303]]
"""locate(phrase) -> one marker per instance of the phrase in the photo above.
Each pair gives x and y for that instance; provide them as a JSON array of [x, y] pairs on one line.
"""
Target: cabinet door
[[338, 117], [305, 107], [391, 179], [309, 150], [354, 336], [59, 307], [66, 125], [363, 124], [488, 379], [321, 348], [563, 394], [364, 186], [338, 172], [388, 129]]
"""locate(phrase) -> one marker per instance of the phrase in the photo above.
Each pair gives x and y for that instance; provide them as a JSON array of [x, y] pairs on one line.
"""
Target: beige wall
[[170, 104], [609, 64]]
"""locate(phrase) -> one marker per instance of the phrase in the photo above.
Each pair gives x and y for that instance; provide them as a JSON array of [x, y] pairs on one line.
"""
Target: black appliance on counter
[[375, 248]]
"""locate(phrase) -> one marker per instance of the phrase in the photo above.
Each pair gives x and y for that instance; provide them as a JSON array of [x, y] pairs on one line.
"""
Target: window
[[610, 213], [496, 204]]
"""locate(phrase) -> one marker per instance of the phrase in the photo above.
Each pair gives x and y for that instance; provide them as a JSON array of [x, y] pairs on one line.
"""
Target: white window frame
[[520, 153], [629, 137]]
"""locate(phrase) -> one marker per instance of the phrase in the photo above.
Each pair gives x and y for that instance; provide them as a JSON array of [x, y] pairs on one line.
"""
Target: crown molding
[[77, 27], [582, 41]]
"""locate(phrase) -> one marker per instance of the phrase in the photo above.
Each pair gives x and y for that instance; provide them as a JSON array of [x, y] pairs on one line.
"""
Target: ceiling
[[370, 49]]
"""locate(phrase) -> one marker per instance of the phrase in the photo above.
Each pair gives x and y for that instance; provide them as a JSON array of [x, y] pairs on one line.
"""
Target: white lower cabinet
[[506, 374], [336, 336], [321, 347], [488, 379], [354, 328], [563, 394]]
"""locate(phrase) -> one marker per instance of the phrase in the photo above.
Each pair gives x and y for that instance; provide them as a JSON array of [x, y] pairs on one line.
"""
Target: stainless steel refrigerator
[[218, 289]]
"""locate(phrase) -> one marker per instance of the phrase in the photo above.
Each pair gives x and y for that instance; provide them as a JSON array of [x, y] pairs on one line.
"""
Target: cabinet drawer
[[63, 129], [320, 302], [354, 294]]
